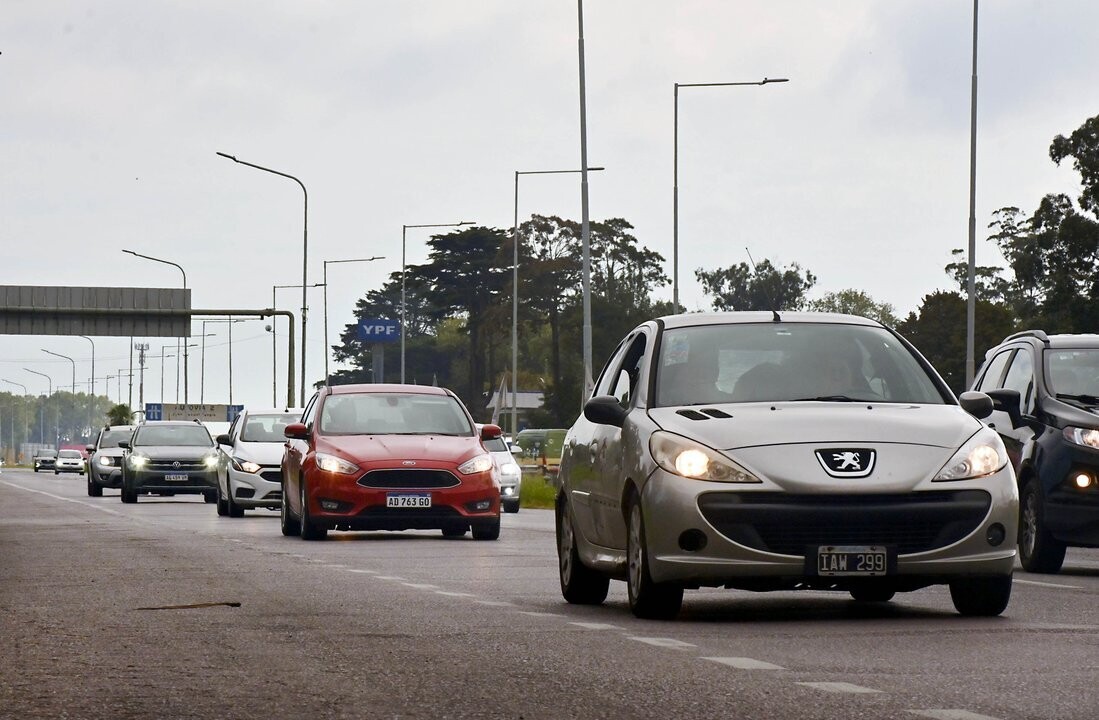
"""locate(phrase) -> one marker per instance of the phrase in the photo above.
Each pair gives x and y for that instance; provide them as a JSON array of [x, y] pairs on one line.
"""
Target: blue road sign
[[375, 330], [154, 411]]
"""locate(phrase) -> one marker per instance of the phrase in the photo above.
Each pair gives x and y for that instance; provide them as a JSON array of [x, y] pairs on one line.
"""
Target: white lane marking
[[839, 687], [1045, 584], [669, 643], [454, 594], [949, 714], [334, 565], [93, 506], [595, 626], [539, 614], [495, 603], [390, 577], [744, 663], [421, 586], [365, 572]]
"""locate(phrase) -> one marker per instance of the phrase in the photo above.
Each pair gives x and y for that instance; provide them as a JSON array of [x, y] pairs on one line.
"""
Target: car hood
[[261, 453], [421, 448], [174, 452], [760, 424]]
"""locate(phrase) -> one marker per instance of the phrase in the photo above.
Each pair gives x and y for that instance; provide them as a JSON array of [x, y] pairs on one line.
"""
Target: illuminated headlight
[[510, 472], [333, 464], [246, 465], [210, 461], [479, 464], [689, 459], [1082, 436], [983, 454], [138, 461], [105, 461]]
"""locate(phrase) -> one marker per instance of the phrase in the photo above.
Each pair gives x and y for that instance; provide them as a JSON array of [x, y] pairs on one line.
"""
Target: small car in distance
[[768, 451], [44, 459], [388, 457], [105, 458], [510, 474], [170, 457], [249, 457], [68, 461]]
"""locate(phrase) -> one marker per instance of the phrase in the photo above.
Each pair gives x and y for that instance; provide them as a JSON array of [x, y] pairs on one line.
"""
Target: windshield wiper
[[1085, 399], [829, 398]]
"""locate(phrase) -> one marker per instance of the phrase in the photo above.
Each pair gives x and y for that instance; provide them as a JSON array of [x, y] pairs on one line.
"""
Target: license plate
[[176, 478], [852, 560], [408, 501]]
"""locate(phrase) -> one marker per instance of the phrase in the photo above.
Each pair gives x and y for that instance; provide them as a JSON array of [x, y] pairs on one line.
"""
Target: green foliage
[[740, 287], [855, 302], [119, 415]]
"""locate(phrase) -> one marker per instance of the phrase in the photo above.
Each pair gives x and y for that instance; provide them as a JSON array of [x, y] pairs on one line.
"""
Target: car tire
[[511, 506], [231, 508], [223, 507], [487, 531], [210, 497], [872, 594], [310, 530], [981, 596], [649, 600], [129, 496], [456, 531], [291, 526], [1039, 552], [94, 488], [580, 585]]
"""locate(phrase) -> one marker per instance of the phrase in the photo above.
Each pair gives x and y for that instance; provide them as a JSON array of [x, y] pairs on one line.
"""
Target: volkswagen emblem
[[847, 462], [175, 464]]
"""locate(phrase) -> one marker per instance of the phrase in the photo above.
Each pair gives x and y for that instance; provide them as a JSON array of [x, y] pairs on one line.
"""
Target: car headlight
[[210, 461], [105, 461], [983, 454], [689, 459], [1082, 436], [510, 472], [138, 461], [333, 464], [478, 464], [246, 465]]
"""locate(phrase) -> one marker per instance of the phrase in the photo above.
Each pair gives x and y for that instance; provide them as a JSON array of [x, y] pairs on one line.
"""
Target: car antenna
[[770, 302]]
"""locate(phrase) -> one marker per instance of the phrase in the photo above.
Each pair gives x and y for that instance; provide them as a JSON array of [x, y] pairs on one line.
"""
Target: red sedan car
[[388, 457]]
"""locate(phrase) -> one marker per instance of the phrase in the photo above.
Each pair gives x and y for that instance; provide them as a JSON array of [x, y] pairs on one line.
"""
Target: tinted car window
[[754, 362], [178, 435], [111, 438], [266, 428], [1020, 376], [991, 378], [496, 444], [394, 414], [70, 454]]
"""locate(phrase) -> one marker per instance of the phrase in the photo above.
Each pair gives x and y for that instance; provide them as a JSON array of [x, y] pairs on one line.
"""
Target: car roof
[[727, 318], [387, 388], [271, 411]]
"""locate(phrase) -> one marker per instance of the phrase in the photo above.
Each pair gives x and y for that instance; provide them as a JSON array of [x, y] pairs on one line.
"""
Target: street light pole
[[290, 369], [324, 283], [515, 292], [202, 370], [180, 268], [585, 228], [23, 424], [55, 354], [304, 255], [971, 301], [675, 175], [404, 231], [55, 431], [91, 388]]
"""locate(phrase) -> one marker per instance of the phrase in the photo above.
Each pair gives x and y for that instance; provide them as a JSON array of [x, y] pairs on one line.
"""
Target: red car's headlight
[[333, 464], [478, 464]]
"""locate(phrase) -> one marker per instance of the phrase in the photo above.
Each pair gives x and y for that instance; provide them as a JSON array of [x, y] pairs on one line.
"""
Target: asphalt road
[[164, 610]]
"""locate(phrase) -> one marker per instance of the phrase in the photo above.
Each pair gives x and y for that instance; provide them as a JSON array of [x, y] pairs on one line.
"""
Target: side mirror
[[124, 444], [491, 432], [224, 439], [976, 404], [296, 431], [90, 448], [515, 449], [1007, 401], [605, 410]]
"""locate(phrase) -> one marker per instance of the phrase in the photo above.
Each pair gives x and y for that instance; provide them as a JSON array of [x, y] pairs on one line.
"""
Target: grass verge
[[536, 492]]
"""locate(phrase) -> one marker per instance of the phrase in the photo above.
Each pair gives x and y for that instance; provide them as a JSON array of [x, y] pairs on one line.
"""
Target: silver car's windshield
[[770, 362], [267, 428], [111, 438], [394, 414], [180, 435]]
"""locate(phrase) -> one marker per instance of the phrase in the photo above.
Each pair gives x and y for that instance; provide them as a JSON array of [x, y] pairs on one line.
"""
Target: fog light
[[692, 540], [479, 506], [1082, 480], [509, 491], [996, 534], [330, 505]]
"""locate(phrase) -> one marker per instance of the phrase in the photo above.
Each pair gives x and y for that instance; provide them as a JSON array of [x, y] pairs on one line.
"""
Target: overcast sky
[[420, 111]]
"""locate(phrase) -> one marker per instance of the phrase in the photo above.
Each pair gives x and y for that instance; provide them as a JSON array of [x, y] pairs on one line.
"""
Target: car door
[[610, 447], [225, 454], [294, 455], [1019, 377]]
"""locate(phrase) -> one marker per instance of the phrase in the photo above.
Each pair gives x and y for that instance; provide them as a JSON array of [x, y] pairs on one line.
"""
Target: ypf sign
[[374, 330]]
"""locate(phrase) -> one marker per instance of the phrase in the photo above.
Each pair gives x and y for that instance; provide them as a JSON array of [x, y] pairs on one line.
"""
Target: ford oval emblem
[[408, 463]]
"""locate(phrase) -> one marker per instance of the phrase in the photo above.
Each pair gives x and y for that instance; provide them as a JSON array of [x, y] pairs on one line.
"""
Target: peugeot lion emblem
[[847, 462]]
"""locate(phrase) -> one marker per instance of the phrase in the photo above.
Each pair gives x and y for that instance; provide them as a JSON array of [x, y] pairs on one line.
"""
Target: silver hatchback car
[[768, 451]]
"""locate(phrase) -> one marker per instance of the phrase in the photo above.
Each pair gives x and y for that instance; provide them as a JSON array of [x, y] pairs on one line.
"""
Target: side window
[[609, 377], [310, 412], [1020, 376], [990, 380], [232, 431], [626, 379]]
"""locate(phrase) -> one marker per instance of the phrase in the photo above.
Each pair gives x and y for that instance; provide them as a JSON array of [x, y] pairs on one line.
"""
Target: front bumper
[[66, 468], [713, 534], [155, 481], [261, 489], [106, 476]]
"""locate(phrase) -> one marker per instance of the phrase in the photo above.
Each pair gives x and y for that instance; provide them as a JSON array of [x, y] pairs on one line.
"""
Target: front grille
[[788, 524], [274, 476], [170, 465], [408, 479]]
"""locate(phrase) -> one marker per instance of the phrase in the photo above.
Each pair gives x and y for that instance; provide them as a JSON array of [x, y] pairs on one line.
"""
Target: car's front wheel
[[223, 508], [511, 506], [290, 525], [310, 530], [981, 596], [580, 585], [1039, 552], [648, 599], [129, 496], [94, 488], [231, 508], [487, 531]]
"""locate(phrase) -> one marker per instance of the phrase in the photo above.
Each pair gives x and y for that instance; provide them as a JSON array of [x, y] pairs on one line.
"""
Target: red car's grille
[[408, 479]]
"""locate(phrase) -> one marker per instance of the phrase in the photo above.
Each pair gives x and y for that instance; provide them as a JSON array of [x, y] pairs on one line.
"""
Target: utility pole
[[141, 348]]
